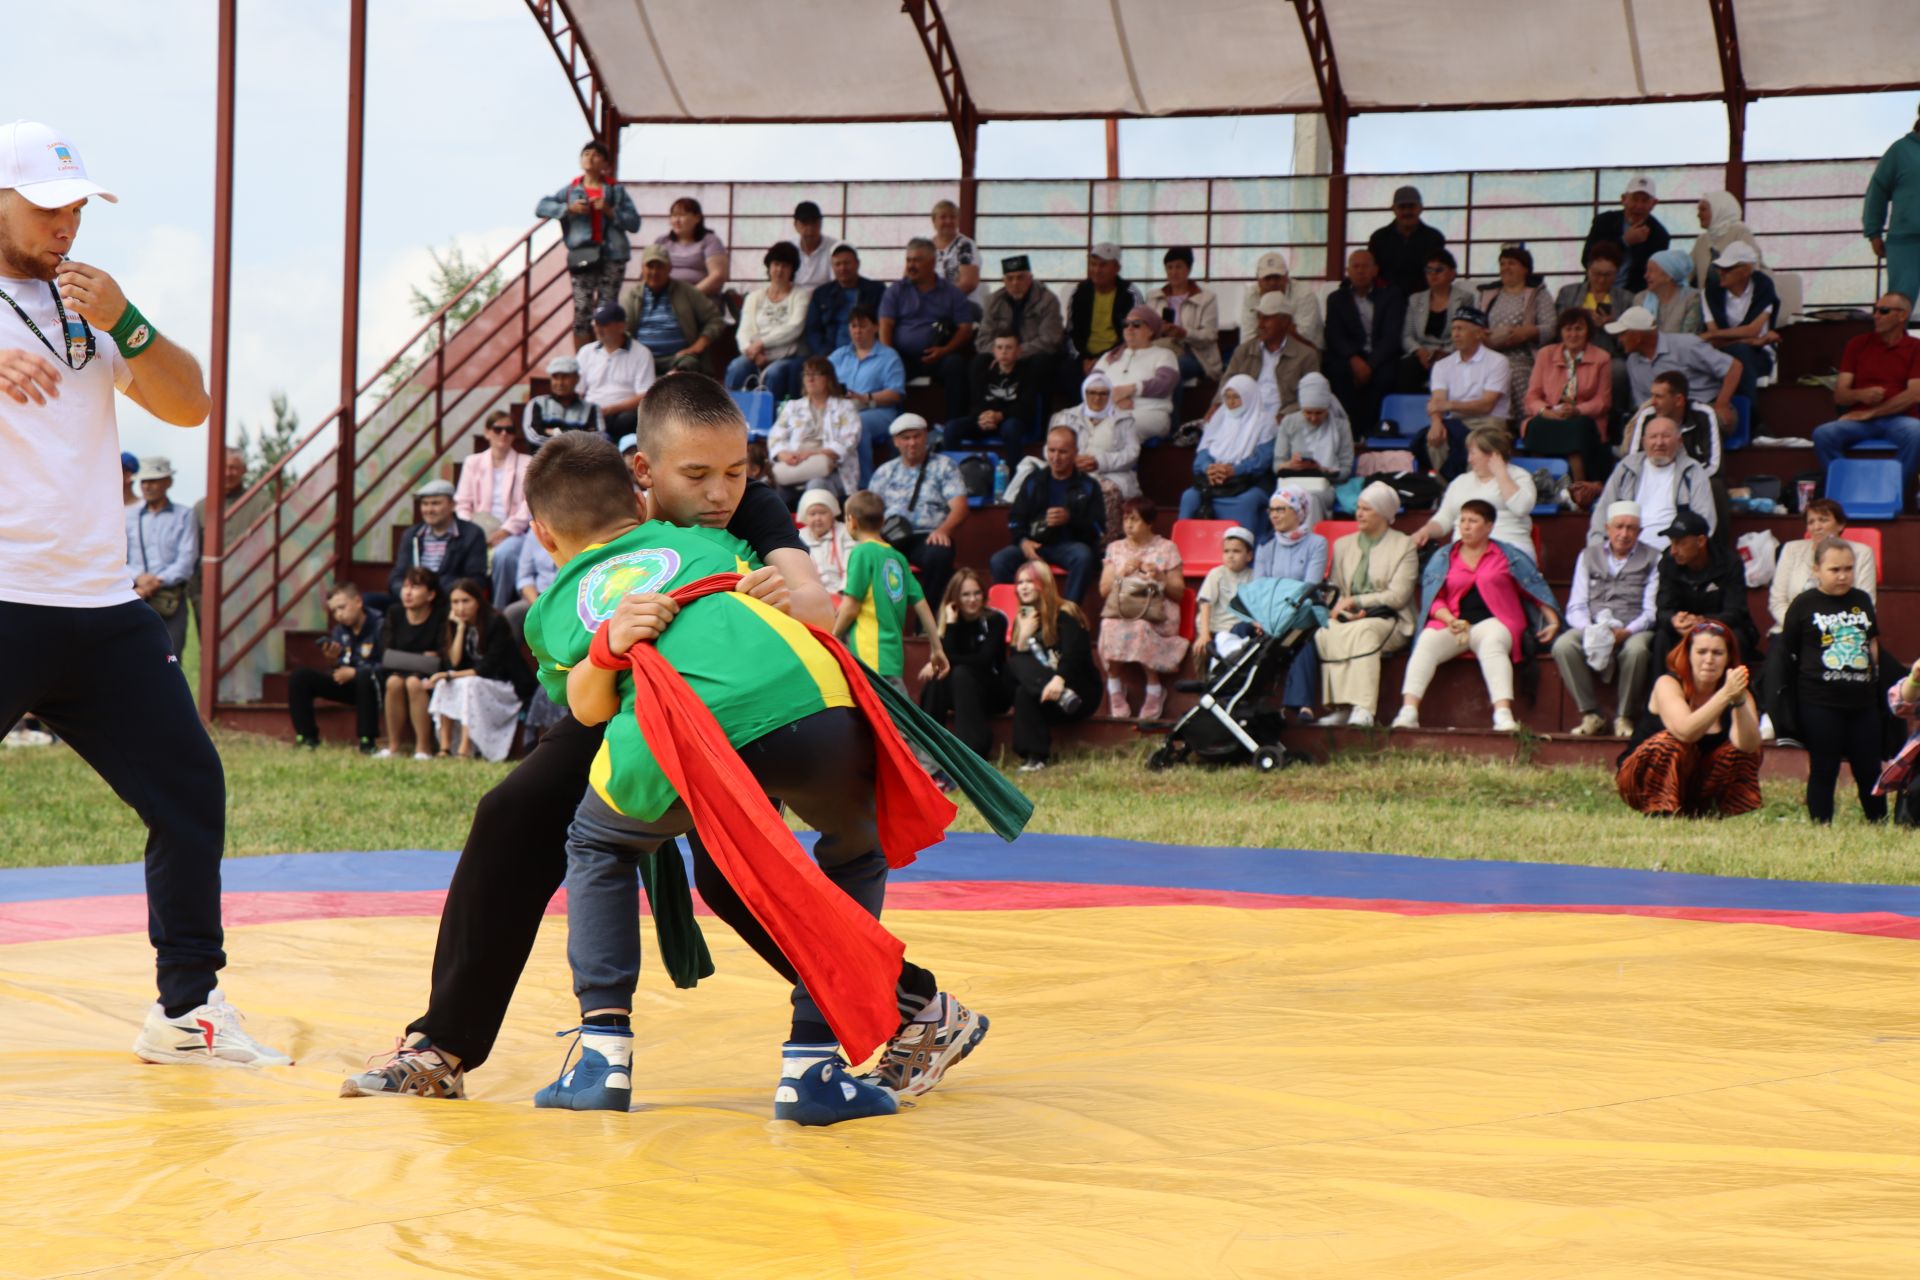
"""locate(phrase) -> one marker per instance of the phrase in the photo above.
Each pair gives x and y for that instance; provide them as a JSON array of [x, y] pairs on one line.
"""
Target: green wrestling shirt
[[754, 667]]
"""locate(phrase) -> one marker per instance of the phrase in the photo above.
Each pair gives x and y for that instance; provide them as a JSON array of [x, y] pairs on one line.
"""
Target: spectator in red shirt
[[1879, 388]]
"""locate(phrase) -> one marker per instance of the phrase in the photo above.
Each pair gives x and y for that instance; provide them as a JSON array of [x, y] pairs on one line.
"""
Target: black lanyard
[[78, 332]]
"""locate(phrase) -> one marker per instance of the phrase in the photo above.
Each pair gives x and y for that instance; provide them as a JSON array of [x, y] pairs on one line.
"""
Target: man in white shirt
[[1611, 609], [83, 651], [615, 371], [1469, 391], [1663, 480], [816, 250]]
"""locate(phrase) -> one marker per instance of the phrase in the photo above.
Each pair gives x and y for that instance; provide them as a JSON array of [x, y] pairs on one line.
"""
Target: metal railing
[[422, 404]]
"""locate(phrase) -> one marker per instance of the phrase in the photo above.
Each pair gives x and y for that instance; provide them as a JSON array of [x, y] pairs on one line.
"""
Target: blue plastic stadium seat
[[1866, 488], [1742, 424], [1553, 466], [1409, 413], [1874, 446], [757, 408]]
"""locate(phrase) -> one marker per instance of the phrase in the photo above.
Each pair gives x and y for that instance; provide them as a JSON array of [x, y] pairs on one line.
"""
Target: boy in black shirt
[[1833, 648], [353, 647], [1003, 397]]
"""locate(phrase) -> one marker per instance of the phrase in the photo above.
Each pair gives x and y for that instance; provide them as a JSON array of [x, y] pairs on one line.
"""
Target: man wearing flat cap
[[442, 543], [1404, 246], [1027, 309], [1611, 611], [563, 408]]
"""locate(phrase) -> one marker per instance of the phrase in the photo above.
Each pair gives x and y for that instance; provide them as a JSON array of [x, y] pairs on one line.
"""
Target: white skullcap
[[819, 497], [1619, 509]]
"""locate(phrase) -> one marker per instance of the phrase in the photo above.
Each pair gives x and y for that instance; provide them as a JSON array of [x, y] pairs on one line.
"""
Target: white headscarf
[[1722, 212], [1092, 380], [1382, 497], [1317, 393], [1234, 435]]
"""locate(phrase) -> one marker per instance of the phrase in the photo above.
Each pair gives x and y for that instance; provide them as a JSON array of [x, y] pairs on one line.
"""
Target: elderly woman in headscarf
[[1234, 462], [1144, 376], [1294, 552], [1107, 445], [1377, 572], [1720, 226], [1314, 446], [1675, 306]]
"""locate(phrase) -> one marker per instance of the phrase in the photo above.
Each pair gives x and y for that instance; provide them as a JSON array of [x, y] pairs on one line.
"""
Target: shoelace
[[401, 1049]]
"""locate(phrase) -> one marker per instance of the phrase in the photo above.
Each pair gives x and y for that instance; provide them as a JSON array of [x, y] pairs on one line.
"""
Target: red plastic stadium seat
[[1868, 537], [1189, 610], [1002, 596], [1199, 543], [1334, 530]]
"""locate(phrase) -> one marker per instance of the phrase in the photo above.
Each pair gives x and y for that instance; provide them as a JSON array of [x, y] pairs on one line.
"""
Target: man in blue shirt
[[930, 323], [833, 303], [163, 546], [352, 647], [875, 379]]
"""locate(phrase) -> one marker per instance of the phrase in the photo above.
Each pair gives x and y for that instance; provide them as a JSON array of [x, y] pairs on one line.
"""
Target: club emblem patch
[[895, 580], [648, 569]]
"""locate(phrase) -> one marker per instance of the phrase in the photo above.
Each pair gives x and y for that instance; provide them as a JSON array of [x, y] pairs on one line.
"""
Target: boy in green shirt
[[776, 693], [880, 591]]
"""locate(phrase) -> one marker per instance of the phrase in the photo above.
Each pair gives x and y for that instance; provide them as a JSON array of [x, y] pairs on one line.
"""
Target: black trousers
[[107, 681], [362, 693], [514, 860], [974, 695], [1831, 735], [934, 562], [1033, 720]]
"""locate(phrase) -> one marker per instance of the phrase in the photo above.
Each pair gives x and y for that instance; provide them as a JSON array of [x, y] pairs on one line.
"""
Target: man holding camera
[[84, 652], [1056, 518]]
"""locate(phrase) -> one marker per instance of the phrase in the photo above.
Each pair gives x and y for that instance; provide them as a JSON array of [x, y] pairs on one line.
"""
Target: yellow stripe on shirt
[[819, 664]]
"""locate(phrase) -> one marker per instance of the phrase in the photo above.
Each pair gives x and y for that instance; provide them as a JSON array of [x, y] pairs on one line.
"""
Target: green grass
[[54, 812]]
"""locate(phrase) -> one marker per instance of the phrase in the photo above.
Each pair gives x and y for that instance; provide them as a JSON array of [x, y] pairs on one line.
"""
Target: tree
[[272, 443], [453, 271]]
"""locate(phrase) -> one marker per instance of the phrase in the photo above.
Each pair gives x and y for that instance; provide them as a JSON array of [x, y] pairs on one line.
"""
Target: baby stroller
[[1232, 721]]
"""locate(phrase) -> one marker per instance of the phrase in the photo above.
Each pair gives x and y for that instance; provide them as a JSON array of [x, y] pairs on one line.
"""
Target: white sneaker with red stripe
[[209, 1036]]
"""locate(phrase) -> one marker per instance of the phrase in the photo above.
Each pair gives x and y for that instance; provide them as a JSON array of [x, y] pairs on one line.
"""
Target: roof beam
[[569, 44], [1333, 106], [1733, 87], [931, 27]]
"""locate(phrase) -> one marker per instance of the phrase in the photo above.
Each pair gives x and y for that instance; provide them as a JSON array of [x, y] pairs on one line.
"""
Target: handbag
[[1233, 488], [1135, 598], [584, 257], [167, 600], [898, 530]]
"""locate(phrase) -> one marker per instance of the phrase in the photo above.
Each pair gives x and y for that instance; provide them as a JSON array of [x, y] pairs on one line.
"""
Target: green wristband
[[133, 335]]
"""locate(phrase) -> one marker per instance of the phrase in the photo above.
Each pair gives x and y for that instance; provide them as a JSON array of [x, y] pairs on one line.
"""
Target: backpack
[[1417, 492], [976, 472]]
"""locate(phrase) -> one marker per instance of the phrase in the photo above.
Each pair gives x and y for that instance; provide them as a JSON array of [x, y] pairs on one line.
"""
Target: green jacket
[[695, 311], [1897, 179]]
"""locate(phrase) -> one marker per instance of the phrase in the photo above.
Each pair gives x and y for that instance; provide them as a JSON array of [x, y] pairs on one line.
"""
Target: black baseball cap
[[806, 211], [1687, 523], [610, 313]]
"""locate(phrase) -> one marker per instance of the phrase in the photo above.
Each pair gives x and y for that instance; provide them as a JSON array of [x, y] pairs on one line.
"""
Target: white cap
[[1241, 532], [44, 167], [562, 364], [818, 498], [1619, 509], [1640, 184], [1271, 264], [1106, 250], [154, 469], [1634, 320], [435, 489], [907, 422], [1737, 254], [1274, 304]]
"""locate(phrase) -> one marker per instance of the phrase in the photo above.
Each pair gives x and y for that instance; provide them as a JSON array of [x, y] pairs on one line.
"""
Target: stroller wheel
[[1160, 759], [1270, 759]]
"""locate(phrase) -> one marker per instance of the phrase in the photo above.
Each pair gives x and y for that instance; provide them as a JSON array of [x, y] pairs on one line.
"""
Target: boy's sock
[[808, 1031], [915, 993], [607, 1020], [1115, 689], [796, 1057]]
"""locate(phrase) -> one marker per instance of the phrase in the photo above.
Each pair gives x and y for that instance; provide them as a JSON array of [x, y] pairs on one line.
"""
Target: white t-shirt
[[816, 268], [62, 541], [1657, 505], [608, 377]]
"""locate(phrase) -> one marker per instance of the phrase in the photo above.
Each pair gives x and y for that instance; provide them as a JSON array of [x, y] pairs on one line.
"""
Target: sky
[[470, 119]]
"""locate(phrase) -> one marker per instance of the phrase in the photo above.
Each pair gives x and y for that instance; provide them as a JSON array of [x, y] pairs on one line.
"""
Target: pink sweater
[[1497, 589], [475, 492]]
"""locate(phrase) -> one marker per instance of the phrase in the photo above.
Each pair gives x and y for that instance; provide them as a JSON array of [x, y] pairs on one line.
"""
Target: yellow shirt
[[1102, 333]]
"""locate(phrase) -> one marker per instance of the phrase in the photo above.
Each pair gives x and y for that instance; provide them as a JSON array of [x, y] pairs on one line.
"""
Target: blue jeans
[[506, 565], [780, 376], [1077, 558], [873, 429], [1190, 367], [1834, 439], [1245, 510], [965, 431]]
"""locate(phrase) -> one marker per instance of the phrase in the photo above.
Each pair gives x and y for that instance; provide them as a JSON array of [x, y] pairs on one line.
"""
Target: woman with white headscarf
[[1107, 445], [1235, 459], [1315, 442], [1297, 553], [1720, 226], [1377, 573]]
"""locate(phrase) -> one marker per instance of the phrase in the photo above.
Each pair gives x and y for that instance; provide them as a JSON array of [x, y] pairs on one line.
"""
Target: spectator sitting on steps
[[974, 638], [1049, 665], [927, 492], [563, 408], [827, 540], [485, 682], [1662, 480], [1056, 517], [1611, 610], [413, 626], [615, 371], [493, 495], [443, 544], [1879, 387], [1141, 583], [675, 321], [352, 645], [929, 323], [1700, 580]]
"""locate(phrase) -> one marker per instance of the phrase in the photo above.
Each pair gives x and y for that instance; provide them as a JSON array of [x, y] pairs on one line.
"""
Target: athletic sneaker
[[301, 740], [920, 1052], [1409, 718], [817, 1089], [1032, 764], [209, 1036], [366, 746], [413, 1069], [1503, 721], [603, 1078]]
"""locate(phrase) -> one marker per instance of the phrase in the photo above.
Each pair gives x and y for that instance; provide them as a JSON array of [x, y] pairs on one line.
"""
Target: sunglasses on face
[[1134, 324], [499, 431], [1889, 311]]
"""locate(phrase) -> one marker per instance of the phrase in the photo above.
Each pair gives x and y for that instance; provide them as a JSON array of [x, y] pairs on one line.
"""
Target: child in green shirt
[[880, 591]]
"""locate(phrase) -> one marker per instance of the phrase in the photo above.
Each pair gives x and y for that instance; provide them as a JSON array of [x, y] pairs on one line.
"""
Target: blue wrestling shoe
[[817, 1089], [602, 1080]]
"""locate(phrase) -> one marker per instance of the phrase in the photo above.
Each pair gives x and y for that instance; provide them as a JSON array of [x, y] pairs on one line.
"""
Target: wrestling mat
[[1203, 1062]]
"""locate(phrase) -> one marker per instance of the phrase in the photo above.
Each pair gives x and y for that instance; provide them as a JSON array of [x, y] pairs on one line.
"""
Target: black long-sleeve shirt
[[1716, 589], [1612, 225]]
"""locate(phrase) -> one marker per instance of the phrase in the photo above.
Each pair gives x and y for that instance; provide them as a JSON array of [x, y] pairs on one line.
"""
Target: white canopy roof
[[734, 60]]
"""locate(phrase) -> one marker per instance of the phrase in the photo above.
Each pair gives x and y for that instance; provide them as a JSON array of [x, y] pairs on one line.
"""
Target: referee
[[83, 652]]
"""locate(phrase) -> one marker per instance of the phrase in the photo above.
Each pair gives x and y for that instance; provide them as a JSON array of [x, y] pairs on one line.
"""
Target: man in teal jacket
[[1897, 179]]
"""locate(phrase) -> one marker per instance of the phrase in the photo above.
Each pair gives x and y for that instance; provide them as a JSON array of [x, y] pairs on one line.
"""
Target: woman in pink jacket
[[493, 495]]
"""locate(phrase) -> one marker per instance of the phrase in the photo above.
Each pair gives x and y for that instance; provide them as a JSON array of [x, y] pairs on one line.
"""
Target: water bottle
[[1000, 477]]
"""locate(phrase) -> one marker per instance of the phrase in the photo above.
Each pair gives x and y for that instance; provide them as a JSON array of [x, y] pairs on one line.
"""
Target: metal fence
[[1806, 215]]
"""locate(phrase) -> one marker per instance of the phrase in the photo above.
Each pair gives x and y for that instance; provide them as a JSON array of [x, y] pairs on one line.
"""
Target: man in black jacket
[[1005, 392], [1405, 246], [1098, 309], [1634, 228], [1056, 518], [352, 647], [1700, 579], [442, 542], [1364, 319]]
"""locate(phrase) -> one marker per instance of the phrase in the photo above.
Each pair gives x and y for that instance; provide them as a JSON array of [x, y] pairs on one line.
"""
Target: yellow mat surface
[[1166, 1092]]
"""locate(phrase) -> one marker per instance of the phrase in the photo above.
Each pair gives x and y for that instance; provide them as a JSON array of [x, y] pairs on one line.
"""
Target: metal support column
[[350, 291], [213, 541]]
